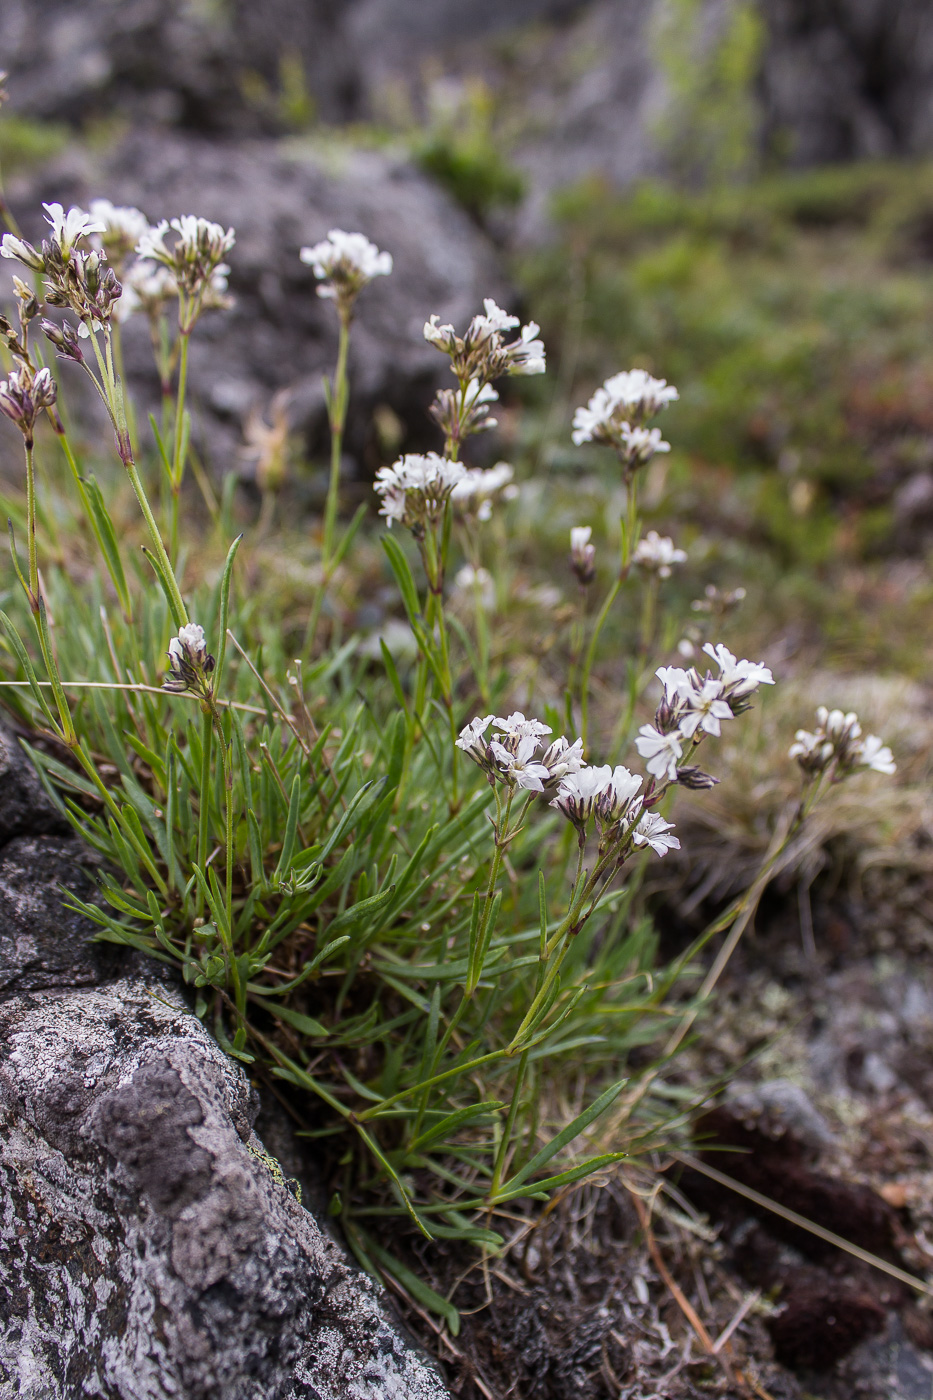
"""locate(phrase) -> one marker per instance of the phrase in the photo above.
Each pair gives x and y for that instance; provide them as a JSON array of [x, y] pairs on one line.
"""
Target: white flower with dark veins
[[662, 752], [705, 708], [654, 831], [577, 793], [68, 228], [516, 725], [561, 758], [21, 251], [472, 739], [518, 765], [656, 553], [738, 677], [619, 799]]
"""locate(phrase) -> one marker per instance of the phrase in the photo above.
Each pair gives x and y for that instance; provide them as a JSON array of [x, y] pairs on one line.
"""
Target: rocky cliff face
[[149, 1247]]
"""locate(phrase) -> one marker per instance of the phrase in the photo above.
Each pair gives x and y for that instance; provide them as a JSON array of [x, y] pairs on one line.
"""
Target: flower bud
[[582, 554]]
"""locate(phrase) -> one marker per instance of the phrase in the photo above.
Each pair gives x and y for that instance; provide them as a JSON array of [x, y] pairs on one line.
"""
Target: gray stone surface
[[150, 1249], [146, 1248], [281, 336]]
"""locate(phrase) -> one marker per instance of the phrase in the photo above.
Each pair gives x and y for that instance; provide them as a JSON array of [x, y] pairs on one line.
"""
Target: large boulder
[[149, 1245], [848, 79], [205, 67], [280, 336]]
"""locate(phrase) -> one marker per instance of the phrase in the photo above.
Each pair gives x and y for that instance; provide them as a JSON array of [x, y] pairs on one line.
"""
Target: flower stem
[[338, 416]]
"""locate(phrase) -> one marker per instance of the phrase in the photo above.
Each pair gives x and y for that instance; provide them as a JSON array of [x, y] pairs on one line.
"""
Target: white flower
[[578, 792], [146, 286], [653, 831], [656, 553], [477, 488], [18, 248], [633, 394], [527, 355], [618, 798], [190, 641], [416, 488], [472, 740], [189, 661], [494, 321], [876, 755], [838, 739], [443, 337], [738, 677], [483, 353], [562, 758], [582, 554], [345, 262], [639, 392], [517, 726], [517, 765], [122, 224], [705, 707], [477, 584], [199, 248], [662, 751], [640, 444], [676, 681], [68, 228]]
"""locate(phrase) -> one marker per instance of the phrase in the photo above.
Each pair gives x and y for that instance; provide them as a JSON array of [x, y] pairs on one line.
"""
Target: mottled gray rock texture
[[149, 1248], [281, 336]]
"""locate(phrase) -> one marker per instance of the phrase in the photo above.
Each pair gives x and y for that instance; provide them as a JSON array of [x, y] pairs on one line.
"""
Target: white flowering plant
[[414, 912]]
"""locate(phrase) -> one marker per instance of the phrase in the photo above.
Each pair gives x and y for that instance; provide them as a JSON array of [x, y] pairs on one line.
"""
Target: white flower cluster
[[694, 706], [195, 255], [837, 743], [656, 553], [477, 489], [416, 488], [519, 755], [482, 353], [122, 241], [344, 263], [617, 412]]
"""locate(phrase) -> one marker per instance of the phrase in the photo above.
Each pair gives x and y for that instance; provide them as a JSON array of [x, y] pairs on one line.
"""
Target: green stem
[[178, 453], [509, 1126], [338, 415], [207, 738], [31, 527]]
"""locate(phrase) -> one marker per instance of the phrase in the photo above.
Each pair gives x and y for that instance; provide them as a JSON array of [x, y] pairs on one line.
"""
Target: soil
[[826, 1041]]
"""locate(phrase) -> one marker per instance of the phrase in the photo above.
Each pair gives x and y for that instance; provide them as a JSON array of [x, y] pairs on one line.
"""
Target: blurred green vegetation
[[795, 315], [24, 142]]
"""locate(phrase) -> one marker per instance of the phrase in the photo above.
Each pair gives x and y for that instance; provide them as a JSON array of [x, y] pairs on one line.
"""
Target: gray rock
[[42, 943], [24, 805], [149, 1247], [848, 79], [785, 1105], [281, 336], [200, 66]]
